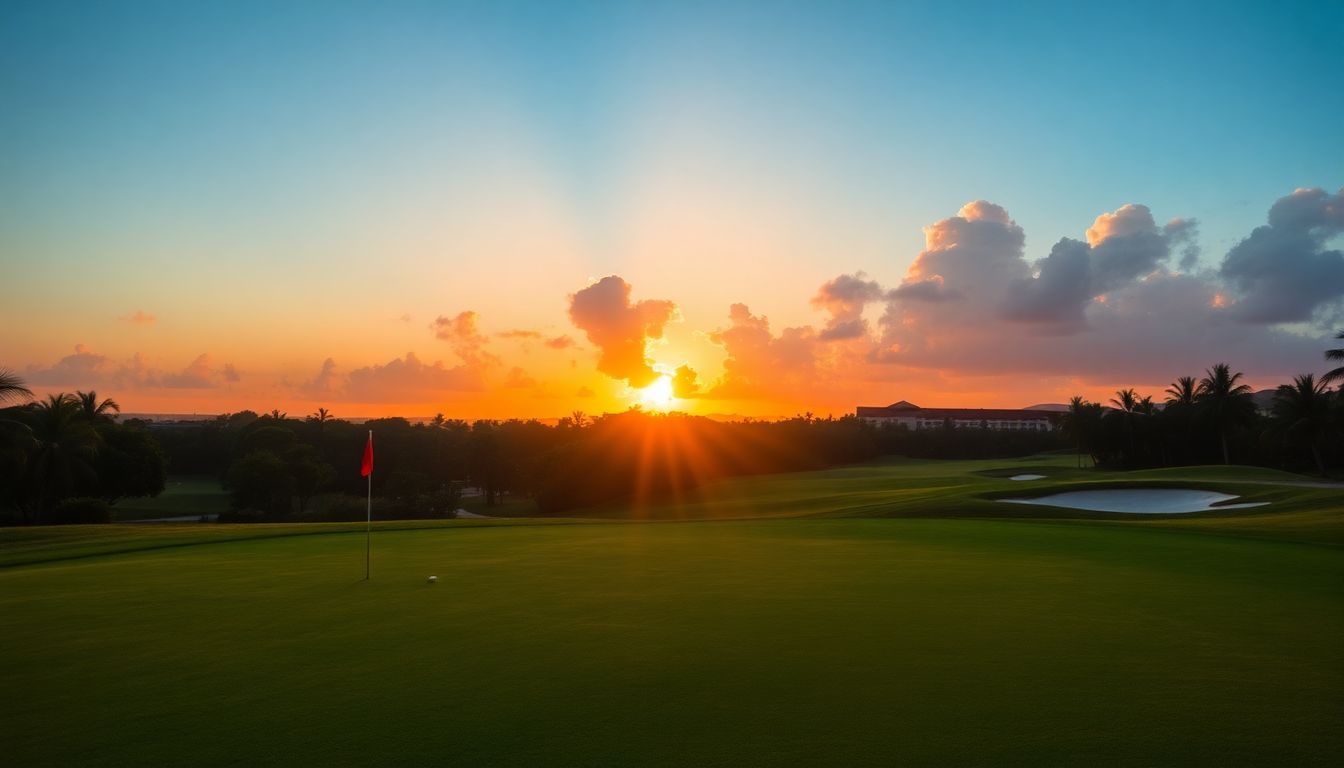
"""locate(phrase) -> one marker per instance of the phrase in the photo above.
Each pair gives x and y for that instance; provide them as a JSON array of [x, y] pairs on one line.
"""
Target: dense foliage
[[276, 467], [68, 446]]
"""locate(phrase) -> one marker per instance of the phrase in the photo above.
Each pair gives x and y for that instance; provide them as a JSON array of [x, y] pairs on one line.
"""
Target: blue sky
[[254, 145]]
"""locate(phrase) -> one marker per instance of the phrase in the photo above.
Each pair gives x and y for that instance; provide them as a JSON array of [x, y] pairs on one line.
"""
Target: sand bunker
[[1151, 501], [1027, 477]]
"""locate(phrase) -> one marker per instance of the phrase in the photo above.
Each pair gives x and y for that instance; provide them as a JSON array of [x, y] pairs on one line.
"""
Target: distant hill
[[1264, 399], [1047, 407]]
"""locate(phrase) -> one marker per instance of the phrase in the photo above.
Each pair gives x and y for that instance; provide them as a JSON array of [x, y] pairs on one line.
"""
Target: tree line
[[64, 459], [277, 467]]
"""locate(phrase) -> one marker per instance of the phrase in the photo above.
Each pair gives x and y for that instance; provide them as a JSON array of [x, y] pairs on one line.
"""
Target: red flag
[[366, 467]]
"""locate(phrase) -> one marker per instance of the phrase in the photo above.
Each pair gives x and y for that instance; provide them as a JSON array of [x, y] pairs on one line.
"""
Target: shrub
[[80, 511]]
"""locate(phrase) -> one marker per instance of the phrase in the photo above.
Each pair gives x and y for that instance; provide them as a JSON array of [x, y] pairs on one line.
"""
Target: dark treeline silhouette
[[276, 467], [1213, 420], [65, 460]]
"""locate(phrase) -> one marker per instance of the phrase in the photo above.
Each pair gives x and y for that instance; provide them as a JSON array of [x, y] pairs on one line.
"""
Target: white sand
[[1027, 477], [1152, 501]]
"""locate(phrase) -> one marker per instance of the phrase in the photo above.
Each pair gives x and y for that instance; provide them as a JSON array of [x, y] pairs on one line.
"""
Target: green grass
[[839, 640], [182, 495]]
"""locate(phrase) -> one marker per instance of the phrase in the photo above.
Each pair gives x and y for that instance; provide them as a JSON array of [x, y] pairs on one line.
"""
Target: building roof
[[975, 414]]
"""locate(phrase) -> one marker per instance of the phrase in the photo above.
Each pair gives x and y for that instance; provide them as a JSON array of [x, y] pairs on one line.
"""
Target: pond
[[1152, 501]]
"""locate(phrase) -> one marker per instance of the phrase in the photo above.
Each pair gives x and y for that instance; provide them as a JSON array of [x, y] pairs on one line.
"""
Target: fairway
[[766, 642]]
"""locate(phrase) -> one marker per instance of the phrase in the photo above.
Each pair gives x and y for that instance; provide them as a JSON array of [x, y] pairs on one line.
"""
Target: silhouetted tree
[[12, 387], [1227, 403], [1336, 355], [1303, 408], [94, 410]]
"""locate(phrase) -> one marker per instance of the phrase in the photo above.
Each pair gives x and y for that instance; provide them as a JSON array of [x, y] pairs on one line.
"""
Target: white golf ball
[[433, 579]]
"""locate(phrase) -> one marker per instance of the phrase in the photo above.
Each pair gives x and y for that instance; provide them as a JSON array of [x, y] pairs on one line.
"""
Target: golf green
[[766, 642]]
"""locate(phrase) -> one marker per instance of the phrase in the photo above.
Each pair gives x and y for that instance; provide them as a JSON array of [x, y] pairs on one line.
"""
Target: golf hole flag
[[366, 467]]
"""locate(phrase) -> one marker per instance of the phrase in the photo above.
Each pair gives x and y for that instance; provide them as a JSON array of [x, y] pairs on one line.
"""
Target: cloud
[[198, 374], [519, 333], [1106, 306], [464, 337], [1183, 234], [86, 369], [517, 378], [1283, 272], [560, 342], [685, 382], [845, 298], [407, 379], [757, 362], [1121, 247], [620, 329], [139, 317], [325, 384]]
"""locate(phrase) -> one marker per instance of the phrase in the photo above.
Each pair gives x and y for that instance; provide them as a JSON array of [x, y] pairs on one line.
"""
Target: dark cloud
[[1183, 234], [620, 329], [1283, 272], [560, 342], [1107, 307], [1122, 246]]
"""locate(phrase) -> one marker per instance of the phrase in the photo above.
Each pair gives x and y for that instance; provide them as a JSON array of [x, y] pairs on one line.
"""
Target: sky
[[500, 209]]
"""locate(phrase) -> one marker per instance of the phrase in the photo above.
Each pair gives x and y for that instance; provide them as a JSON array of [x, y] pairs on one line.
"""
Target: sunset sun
[[658, 395]]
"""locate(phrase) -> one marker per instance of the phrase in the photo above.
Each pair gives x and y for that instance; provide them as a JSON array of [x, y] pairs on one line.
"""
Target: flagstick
[[368, 524]]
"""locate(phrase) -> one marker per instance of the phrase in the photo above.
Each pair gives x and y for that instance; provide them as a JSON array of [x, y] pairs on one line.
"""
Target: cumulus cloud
[[517, 378], [199, 374], [408, 379], [758, 362], [86, 369], [139, 317], [619, 328], [1283, 272], [325, 384], [1121, 247], [685, 382], [1183, 234], [464, 338], [1107, 305], [845, 298]]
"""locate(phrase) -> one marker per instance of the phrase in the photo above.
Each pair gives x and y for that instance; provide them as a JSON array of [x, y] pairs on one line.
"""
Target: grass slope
[[803, 642]]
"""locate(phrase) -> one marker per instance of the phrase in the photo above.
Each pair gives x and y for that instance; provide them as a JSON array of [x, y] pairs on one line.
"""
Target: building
[[912, 416]]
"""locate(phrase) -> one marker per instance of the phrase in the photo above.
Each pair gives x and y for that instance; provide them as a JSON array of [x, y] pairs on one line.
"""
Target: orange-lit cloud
[[87, 369], [139, 317], [621, 329]]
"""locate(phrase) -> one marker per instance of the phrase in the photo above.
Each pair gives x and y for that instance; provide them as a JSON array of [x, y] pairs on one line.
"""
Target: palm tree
[[1334, 354], [1228, 402], [580, 418], [1304, 408], [65, 449], [276, 415], [1182, 391], [1126, 400], [92, 409], [11, 386], [1145, 406], [1073, 424]]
